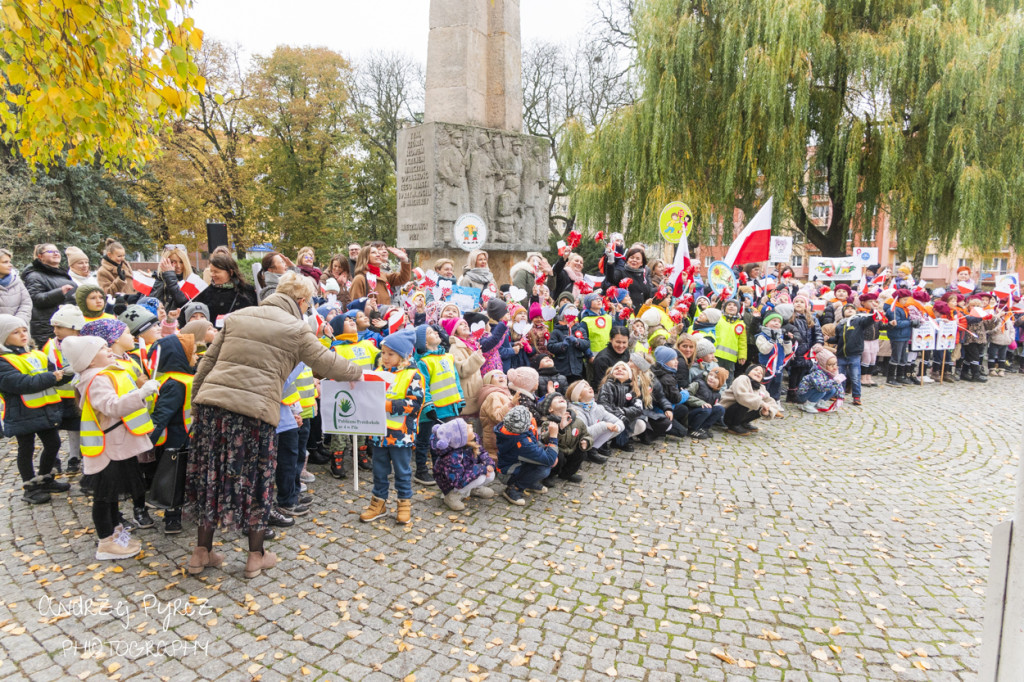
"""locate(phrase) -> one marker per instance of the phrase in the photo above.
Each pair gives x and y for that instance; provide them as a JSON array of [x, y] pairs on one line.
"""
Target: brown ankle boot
[[404, 512], [201, 558], [257, 561], [377, 509]]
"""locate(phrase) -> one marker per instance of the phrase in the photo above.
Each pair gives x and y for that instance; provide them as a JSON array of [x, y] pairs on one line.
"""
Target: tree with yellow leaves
[[95, 81]]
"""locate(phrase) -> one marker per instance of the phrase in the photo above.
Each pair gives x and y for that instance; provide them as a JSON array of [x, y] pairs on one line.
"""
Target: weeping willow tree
[[914, 107]]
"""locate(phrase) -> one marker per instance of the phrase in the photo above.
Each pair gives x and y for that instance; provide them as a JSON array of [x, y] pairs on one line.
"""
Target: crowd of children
[[521, 390]]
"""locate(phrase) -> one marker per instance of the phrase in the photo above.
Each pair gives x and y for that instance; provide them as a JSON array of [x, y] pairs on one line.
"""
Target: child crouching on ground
[[704, 403], [820, 386], [461, 467], [521, 455], [115, 430], [573, 440], [393, 452], [602, 425]]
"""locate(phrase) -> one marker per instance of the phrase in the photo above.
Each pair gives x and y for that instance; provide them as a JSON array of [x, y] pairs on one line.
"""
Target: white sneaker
[[927, 379], [809, 408], [307, 477], [302, 487]]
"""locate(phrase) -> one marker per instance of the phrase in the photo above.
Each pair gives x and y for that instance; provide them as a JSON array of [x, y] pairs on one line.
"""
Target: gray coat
[[15, 300]]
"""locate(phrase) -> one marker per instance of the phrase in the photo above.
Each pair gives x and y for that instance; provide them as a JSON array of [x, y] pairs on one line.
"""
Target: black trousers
[[50, 438], [737, 414]]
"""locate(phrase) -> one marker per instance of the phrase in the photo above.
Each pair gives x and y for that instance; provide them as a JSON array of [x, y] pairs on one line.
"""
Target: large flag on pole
[[754, 242], [681, 265]]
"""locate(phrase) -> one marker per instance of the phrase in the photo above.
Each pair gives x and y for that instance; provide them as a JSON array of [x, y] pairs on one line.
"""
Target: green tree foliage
[[300, 107], [68, 205], [911, 106]]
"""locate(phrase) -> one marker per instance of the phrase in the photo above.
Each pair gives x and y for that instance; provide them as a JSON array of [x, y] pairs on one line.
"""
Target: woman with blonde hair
[[305, 259], [115, 274], [174, 268], [369, 277]]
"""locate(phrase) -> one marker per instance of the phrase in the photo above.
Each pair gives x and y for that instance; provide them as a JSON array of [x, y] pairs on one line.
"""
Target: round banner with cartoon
[[721, 277], [470, 232], [675, 221]]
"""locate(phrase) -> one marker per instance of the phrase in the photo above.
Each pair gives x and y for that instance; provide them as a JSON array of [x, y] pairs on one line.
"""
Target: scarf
[[490, 389], [80, 281], [8, 280], [372, 275], [573, 274], [480, 277], [471, 343], [118, 266]]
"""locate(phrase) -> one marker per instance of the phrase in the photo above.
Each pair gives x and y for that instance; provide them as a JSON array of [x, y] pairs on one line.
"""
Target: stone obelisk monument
[[470, 155]]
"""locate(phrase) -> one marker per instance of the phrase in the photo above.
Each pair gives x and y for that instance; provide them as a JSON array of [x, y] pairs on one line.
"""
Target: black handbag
[[168, 489]]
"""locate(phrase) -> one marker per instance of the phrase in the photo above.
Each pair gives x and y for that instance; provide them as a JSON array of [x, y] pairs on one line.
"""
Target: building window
[[997, 265], [796, 261], [819, 211], [965, 263], [931, 260], [708, 260]]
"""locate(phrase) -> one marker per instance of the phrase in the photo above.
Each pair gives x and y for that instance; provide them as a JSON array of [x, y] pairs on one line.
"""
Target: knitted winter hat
[[108, 330], [138, 318], [722, 374], [664, 355], [704, 348], [786, 310], [771, 316], [449, 325], [545, 403], [449, 435], [535, 311], [524, 380], [421, 338], [10, 324], [823, 356], [496, 309], [651, 317], [82, 293], [68, 316], [358, 304], [150, 303], [444, 307], [332, 285], [198, 329], [517, 420], [79, 351], [401, 342], [713, 315], [589, 299], [74, 255], [564, 297], [191, 308], [640, 362]]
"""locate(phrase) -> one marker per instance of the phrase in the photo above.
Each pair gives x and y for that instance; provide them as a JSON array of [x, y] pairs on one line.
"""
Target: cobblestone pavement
[[845, 547]]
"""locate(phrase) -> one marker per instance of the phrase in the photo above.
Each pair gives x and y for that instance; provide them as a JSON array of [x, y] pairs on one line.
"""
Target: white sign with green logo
[[353, 408]]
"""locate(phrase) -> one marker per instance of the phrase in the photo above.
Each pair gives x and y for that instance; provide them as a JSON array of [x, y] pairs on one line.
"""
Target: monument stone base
[[447, 170]]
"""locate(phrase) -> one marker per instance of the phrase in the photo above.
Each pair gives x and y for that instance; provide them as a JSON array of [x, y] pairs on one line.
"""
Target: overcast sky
[[355, 27]]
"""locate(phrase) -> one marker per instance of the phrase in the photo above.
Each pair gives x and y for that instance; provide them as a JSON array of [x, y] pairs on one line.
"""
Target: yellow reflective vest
[[442, 380], [728, 341], [56, 358], [305, 386], [599, 329], [362, 353], [94, 439], [186, 409], [398, 391], [30, 364]]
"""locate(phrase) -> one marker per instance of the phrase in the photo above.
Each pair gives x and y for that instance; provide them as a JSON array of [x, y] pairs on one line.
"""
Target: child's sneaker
[[74, 465], [539, 490], [404, 514], [424, 478], [377, 509], [809, 408], [338, 464], [514, 496], [307, 477], [120, 545], [483, 492], [142, 519], [856, 401]]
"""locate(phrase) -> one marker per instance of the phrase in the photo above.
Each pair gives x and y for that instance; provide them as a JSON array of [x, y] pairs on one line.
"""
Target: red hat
[[844, 287], [534, 311], [903, 293], [941, 307], [870, 296], [921, 295]]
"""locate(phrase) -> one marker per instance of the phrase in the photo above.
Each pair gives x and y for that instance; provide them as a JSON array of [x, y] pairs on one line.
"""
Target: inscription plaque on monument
[[446, 170]]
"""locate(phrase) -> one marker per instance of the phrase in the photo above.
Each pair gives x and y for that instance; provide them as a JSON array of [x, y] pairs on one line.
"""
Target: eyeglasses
[[52, 251]]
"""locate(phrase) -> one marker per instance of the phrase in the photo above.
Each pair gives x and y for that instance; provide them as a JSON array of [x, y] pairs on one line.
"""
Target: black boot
[[338, 464], [977, 373], [890, 377], [51, 485], [908, 376], [35, 493]]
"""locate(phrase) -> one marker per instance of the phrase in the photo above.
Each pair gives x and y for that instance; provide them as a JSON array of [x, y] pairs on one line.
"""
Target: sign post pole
[[355, 465]]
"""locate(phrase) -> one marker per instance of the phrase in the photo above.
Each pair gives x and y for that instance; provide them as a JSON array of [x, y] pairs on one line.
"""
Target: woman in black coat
[[634, 268], [49, 287], [228, 290]]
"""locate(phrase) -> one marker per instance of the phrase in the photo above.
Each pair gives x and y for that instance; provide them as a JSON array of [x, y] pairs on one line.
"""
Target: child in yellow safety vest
[[393, 451], [292, 433], [119, 340], [175, 358], [364, 353], [730, 338], [115, 430], [93, 302], [67, 321], [32, 408], [443, 398]]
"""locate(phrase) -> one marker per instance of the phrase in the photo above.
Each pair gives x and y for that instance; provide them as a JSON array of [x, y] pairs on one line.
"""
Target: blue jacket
[[167, 411], [523, 448], [570, 348], [902, 330]]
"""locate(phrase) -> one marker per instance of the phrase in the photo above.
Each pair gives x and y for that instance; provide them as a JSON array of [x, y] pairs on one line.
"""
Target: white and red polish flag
[[142, 283], [754, 242], [193, 286], [681, 266]]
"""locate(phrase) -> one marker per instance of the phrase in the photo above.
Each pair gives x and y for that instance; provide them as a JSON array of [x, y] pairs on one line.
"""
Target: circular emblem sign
[[675, 220], [470, 232]]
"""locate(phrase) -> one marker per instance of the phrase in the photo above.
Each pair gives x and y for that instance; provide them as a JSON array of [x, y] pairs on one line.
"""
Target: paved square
[[844, 547]]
